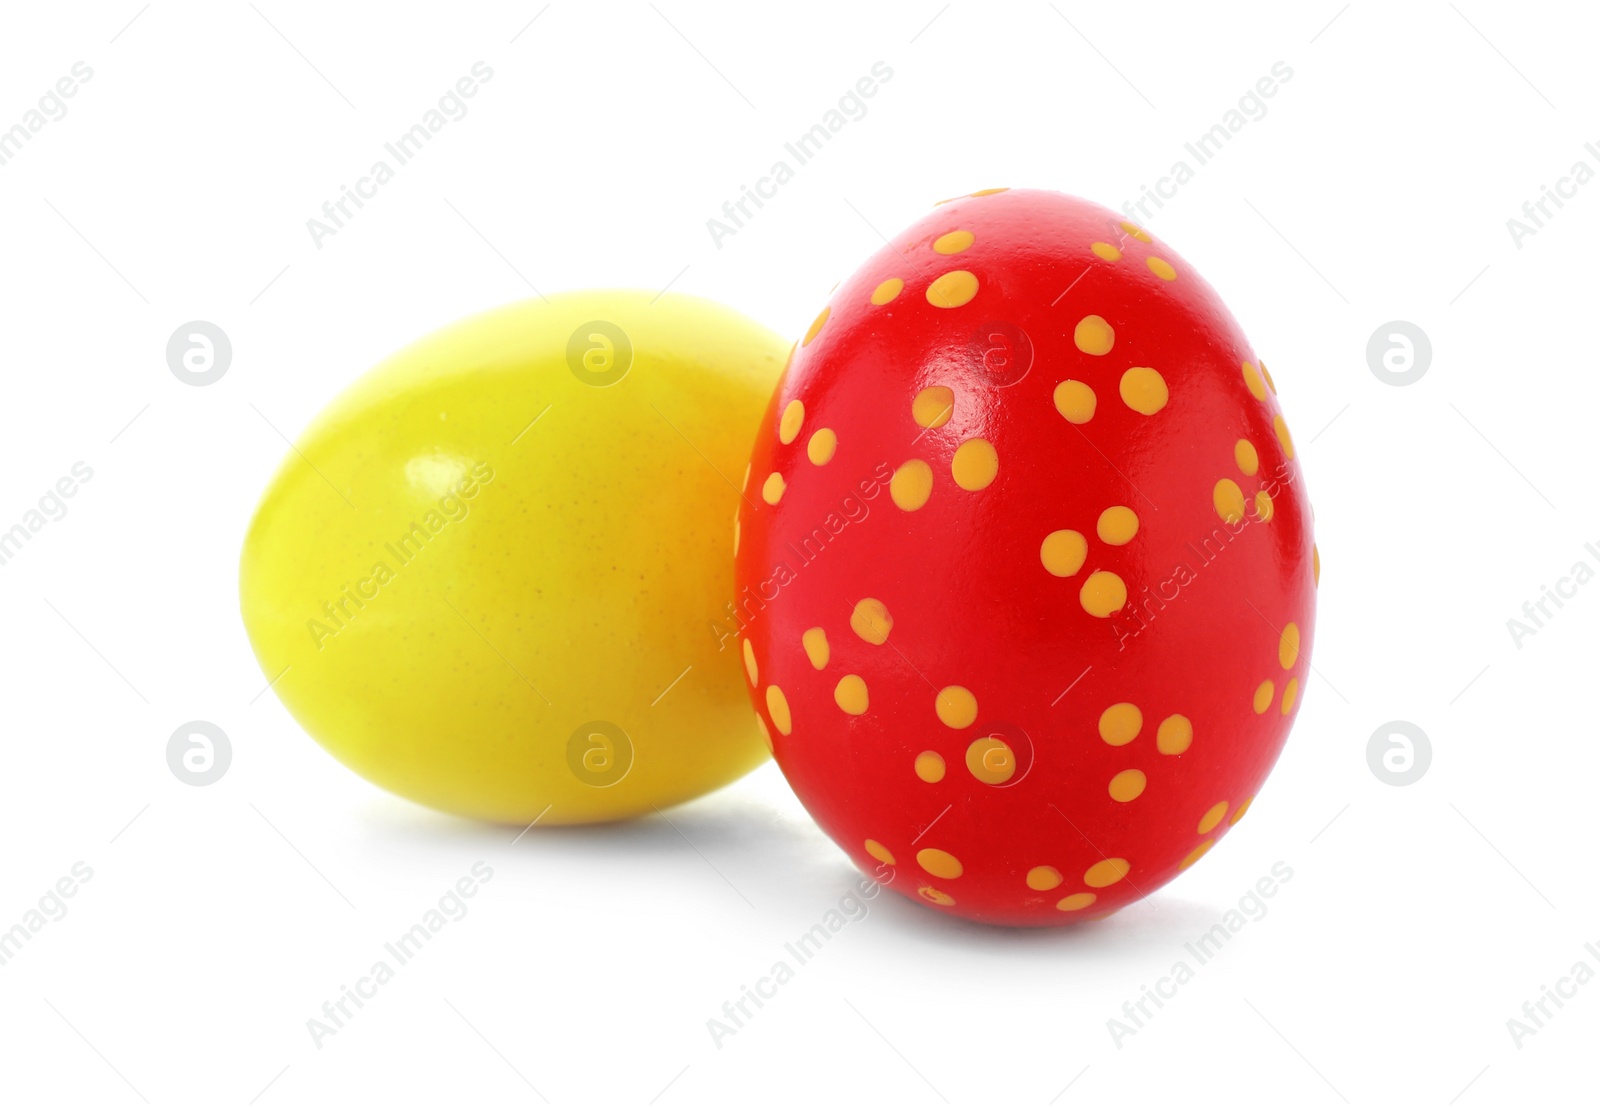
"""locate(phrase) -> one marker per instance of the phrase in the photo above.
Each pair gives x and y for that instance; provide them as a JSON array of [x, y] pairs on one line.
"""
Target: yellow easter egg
[[495, 575]]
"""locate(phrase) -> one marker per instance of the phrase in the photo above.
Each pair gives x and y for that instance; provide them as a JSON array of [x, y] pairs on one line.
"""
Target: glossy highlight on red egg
[[1027, 579]]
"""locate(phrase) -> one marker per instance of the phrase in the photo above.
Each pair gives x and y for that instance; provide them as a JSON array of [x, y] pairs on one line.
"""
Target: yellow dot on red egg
[[1108, 871], [1263, 506], [778, 709], [1041, 879], [934, 896], [991, 760], [1246, 458], [1270, 383], [1075, 902], [1127, 785], [1174, 735], [929, 766], [911, 485], [953, 289], [736, 535], [933, 406], [975, 464], [1093, 335], [1106, 252], [1144, 390], [1075, 401], [1136, 231], [1212, 817], [821, 445], [851, 694], [772, 488], [1196, 854], [1063, 552], [988, 192], [789, 425], [1263, 697], [1228, 499], [1284, 440], [766, 736], [1316, 566], [1290, 692], [750, 666], [1253, 382], [871, 620], [1239, 812], [816, 327], [1161, 268], [815, 642], [1289, 646], [940, 863], [956, 707], [1103, 594], [1117, 525], [879, 851], [952, 242], [887, 291], [1120, 724]]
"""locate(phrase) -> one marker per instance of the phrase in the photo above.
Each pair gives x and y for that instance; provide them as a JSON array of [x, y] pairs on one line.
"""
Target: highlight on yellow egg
[[488, 575]]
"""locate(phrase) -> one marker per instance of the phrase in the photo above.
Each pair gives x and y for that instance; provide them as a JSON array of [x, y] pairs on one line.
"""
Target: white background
[[1419, 919]]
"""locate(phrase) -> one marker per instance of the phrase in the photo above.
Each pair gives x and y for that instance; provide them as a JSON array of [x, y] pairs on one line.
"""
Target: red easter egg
[[1025, 561]]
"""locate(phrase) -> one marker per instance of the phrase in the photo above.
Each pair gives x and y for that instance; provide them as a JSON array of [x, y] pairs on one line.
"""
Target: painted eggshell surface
[[484, 575], [1025, 562]]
